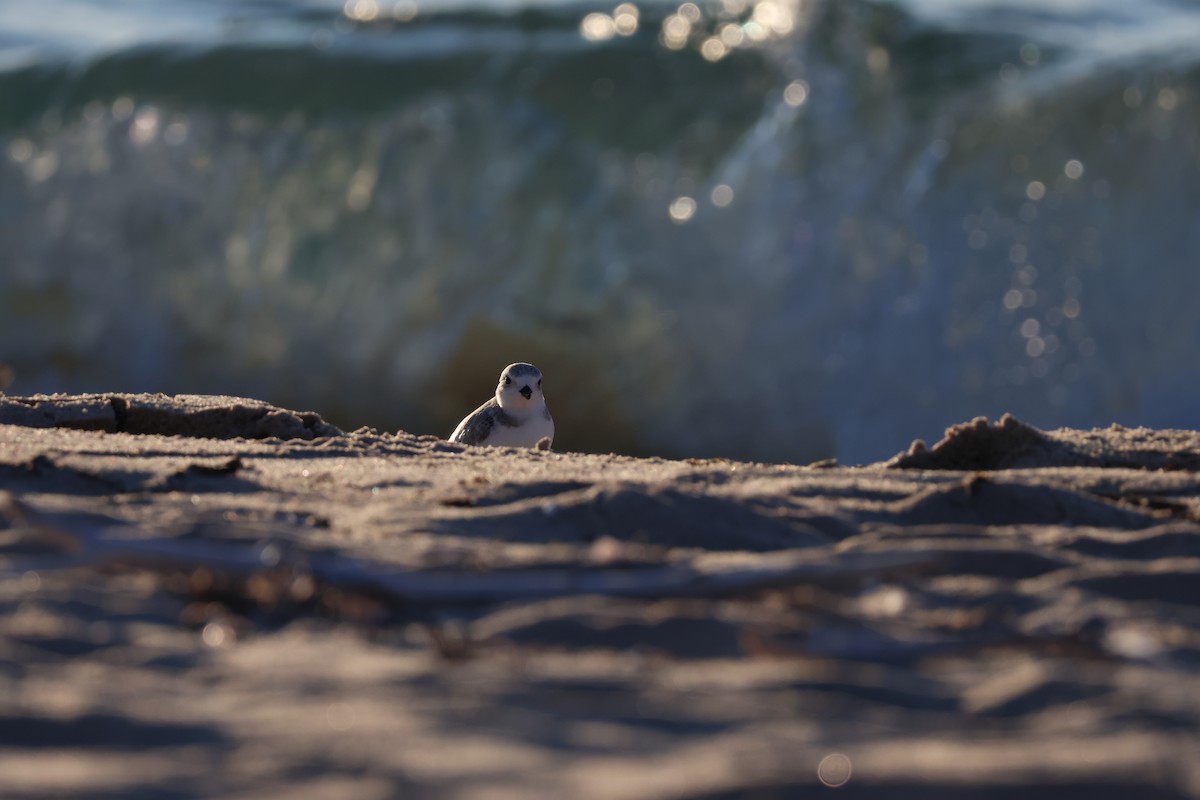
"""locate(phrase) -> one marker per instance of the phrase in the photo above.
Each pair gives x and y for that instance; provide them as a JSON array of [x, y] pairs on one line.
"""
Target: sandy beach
[[211, 596]]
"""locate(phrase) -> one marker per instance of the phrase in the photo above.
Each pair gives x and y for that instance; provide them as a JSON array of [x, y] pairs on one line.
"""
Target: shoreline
[[227, 597]]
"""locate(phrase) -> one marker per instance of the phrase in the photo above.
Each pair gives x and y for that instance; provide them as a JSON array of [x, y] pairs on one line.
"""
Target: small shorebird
[[516, 417]]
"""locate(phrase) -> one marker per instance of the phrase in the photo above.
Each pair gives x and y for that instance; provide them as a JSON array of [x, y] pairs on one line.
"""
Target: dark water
[[778, 231]]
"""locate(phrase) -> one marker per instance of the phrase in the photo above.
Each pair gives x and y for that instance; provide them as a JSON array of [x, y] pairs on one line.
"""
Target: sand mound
[[1011, 444], [200, 416]]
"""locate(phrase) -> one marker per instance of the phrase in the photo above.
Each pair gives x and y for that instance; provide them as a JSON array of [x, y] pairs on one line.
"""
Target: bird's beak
[[526, 392]]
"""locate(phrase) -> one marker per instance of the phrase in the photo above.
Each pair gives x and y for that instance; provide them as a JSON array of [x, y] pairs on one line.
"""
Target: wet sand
[[207, 596]]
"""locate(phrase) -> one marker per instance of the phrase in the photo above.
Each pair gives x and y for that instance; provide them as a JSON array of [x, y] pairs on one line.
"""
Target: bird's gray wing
[[475, 428]]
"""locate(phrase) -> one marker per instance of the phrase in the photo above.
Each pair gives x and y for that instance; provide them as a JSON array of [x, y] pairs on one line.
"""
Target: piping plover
[[516, 417]]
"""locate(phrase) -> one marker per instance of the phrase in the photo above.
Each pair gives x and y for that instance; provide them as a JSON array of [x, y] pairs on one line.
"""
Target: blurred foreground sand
[[207, 596]]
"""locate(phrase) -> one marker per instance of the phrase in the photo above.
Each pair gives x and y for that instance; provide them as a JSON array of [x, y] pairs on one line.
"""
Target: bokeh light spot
[[405, 11], [625, 19], [30, 581], [42, 167], [878, 60], [176, 132], [95, 111], [682, 209], [675, 31], [1073, 169], [216, 634], [722, 195], [145, 126], [773, 17], [754, 32], [361, 10], [834, 770], [597, 27], [713, 49], [20, 150], [122, 108], [795, 93]]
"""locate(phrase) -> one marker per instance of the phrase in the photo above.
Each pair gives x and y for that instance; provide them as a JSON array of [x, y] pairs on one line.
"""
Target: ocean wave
[[872, 221]]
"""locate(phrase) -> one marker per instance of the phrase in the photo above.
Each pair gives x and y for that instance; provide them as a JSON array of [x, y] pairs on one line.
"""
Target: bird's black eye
[[507, 380], [539, 383]]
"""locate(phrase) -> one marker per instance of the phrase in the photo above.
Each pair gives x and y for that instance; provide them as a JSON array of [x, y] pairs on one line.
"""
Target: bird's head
[[520, 388]]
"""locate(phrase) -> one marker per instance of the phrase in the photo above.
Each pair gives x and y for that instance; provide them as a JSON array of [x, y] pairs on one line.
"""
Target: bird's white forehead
[[521, 370]]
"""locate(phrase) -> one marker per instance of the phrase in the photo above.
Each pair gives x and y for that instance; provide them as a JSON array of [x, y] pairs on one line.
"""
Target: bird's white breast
[[526, 434]]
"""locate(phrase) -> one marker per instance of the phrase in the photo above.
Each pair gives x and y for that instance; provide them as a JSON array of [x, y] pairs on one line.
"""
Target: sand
[[210, 596]]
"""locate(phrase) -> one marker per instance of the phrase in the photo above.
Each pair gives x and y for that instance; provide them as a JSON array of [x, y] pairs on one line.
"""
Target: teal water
[[782, 231]]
